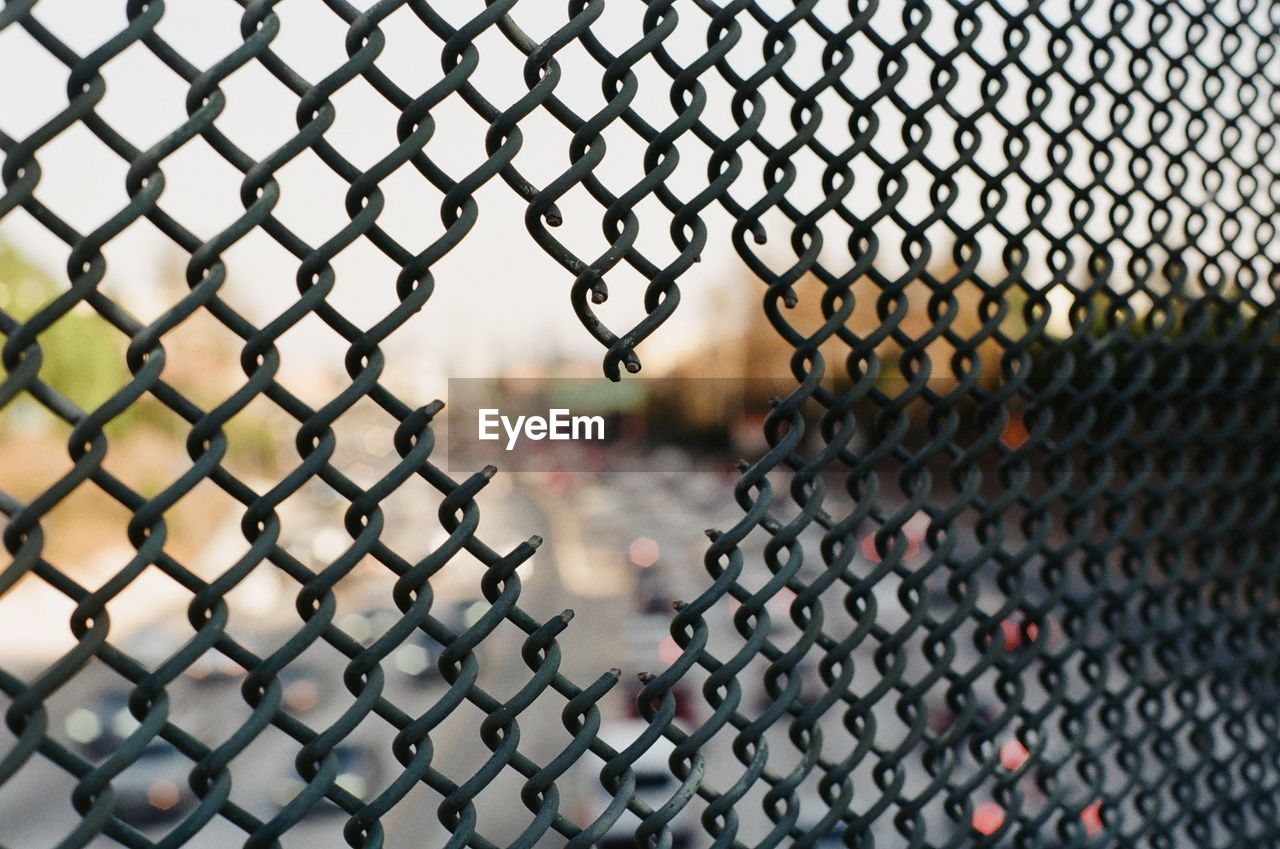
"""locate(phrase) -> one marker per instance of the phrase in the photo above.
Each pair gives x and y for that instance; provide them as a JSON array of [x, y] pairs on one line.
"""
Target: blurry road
[[618, 552]]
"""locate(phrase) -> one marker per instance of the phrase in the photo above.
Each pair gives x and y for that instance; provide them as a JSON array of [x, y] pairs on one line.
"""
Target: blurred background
[[1142, 211]]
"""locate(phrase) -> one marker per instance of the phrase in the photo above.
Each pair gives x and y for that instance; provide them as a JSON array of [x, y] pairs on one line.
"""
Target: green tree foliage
[[83, 356]]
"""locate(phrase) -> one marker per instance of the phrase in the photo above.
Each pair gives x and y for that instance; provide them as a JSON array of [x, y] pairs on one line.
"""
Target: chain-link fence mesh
[[1004, 573]]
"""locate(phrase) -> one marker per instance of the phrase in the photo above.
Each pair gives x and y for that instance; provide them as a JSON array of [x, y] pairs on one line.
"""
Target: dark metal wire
[[1130, 534]]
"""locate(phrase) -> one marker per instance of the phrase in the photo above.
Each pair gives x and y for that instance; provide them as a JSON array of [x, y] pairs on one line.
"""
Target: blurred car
[[301, 689], [1018, 631], [214, 667], [418, 656], [153, 645], [358, 770], [154, 788], [98, 728], [655, 785], [831, 838]]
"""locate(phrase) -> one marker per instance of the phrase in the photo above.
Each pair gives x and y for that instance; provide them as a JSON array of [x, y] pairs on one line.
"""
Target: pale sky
[[499, 298]]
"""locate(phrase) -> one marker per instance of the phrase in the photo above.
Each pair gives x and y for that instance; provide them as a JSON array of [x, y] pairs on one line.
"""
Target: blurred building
[[749, 361]]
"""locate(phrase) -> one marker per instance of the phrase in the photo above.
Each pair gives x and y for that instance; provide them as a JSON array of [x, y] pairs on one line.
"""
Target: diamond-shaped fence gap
[[365, 284], [499, 76], [32, 264], [989, 156], [1078, 170], [313, 686], [1096, 229], [1037, 50], [463, 148], [258, 437], [990, 28], [85, 31], [203, 700], [409, 539], [890, 145], [867, 59], [205, 530], [653, 99], [941, 268], [311, 40], [259, 112], [364, 466], [805, 67], [1247, 223], [203, 33], [542, 737], [775, 123], [407, 44], [38, 782], [863, 200], [311, 519], [42, 783], [27, 107], [917, 86], [940, 32], [1201, 104], [33, 617], [1037, 249], [1077, 62], [970, 186], [691, 171], [260, 282], [891, 23], [941, 148], [1038, 170], [264, 787], [364, 126], [459, 752], [837, 113], [366, 766], [312, 200], [622, 168], [718, 112], [135, 283], [579, 88], [1096, 123], [654, 239], [144, 100], [201, 355], [26, 472], [311, 360], [201, 189], [806, 194], [90, 550], [81, 180]]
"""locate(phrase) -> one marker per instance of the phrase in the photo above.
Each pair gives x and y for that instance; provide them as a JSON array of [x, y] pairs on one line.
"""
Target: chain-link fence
[[1002, 571]]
